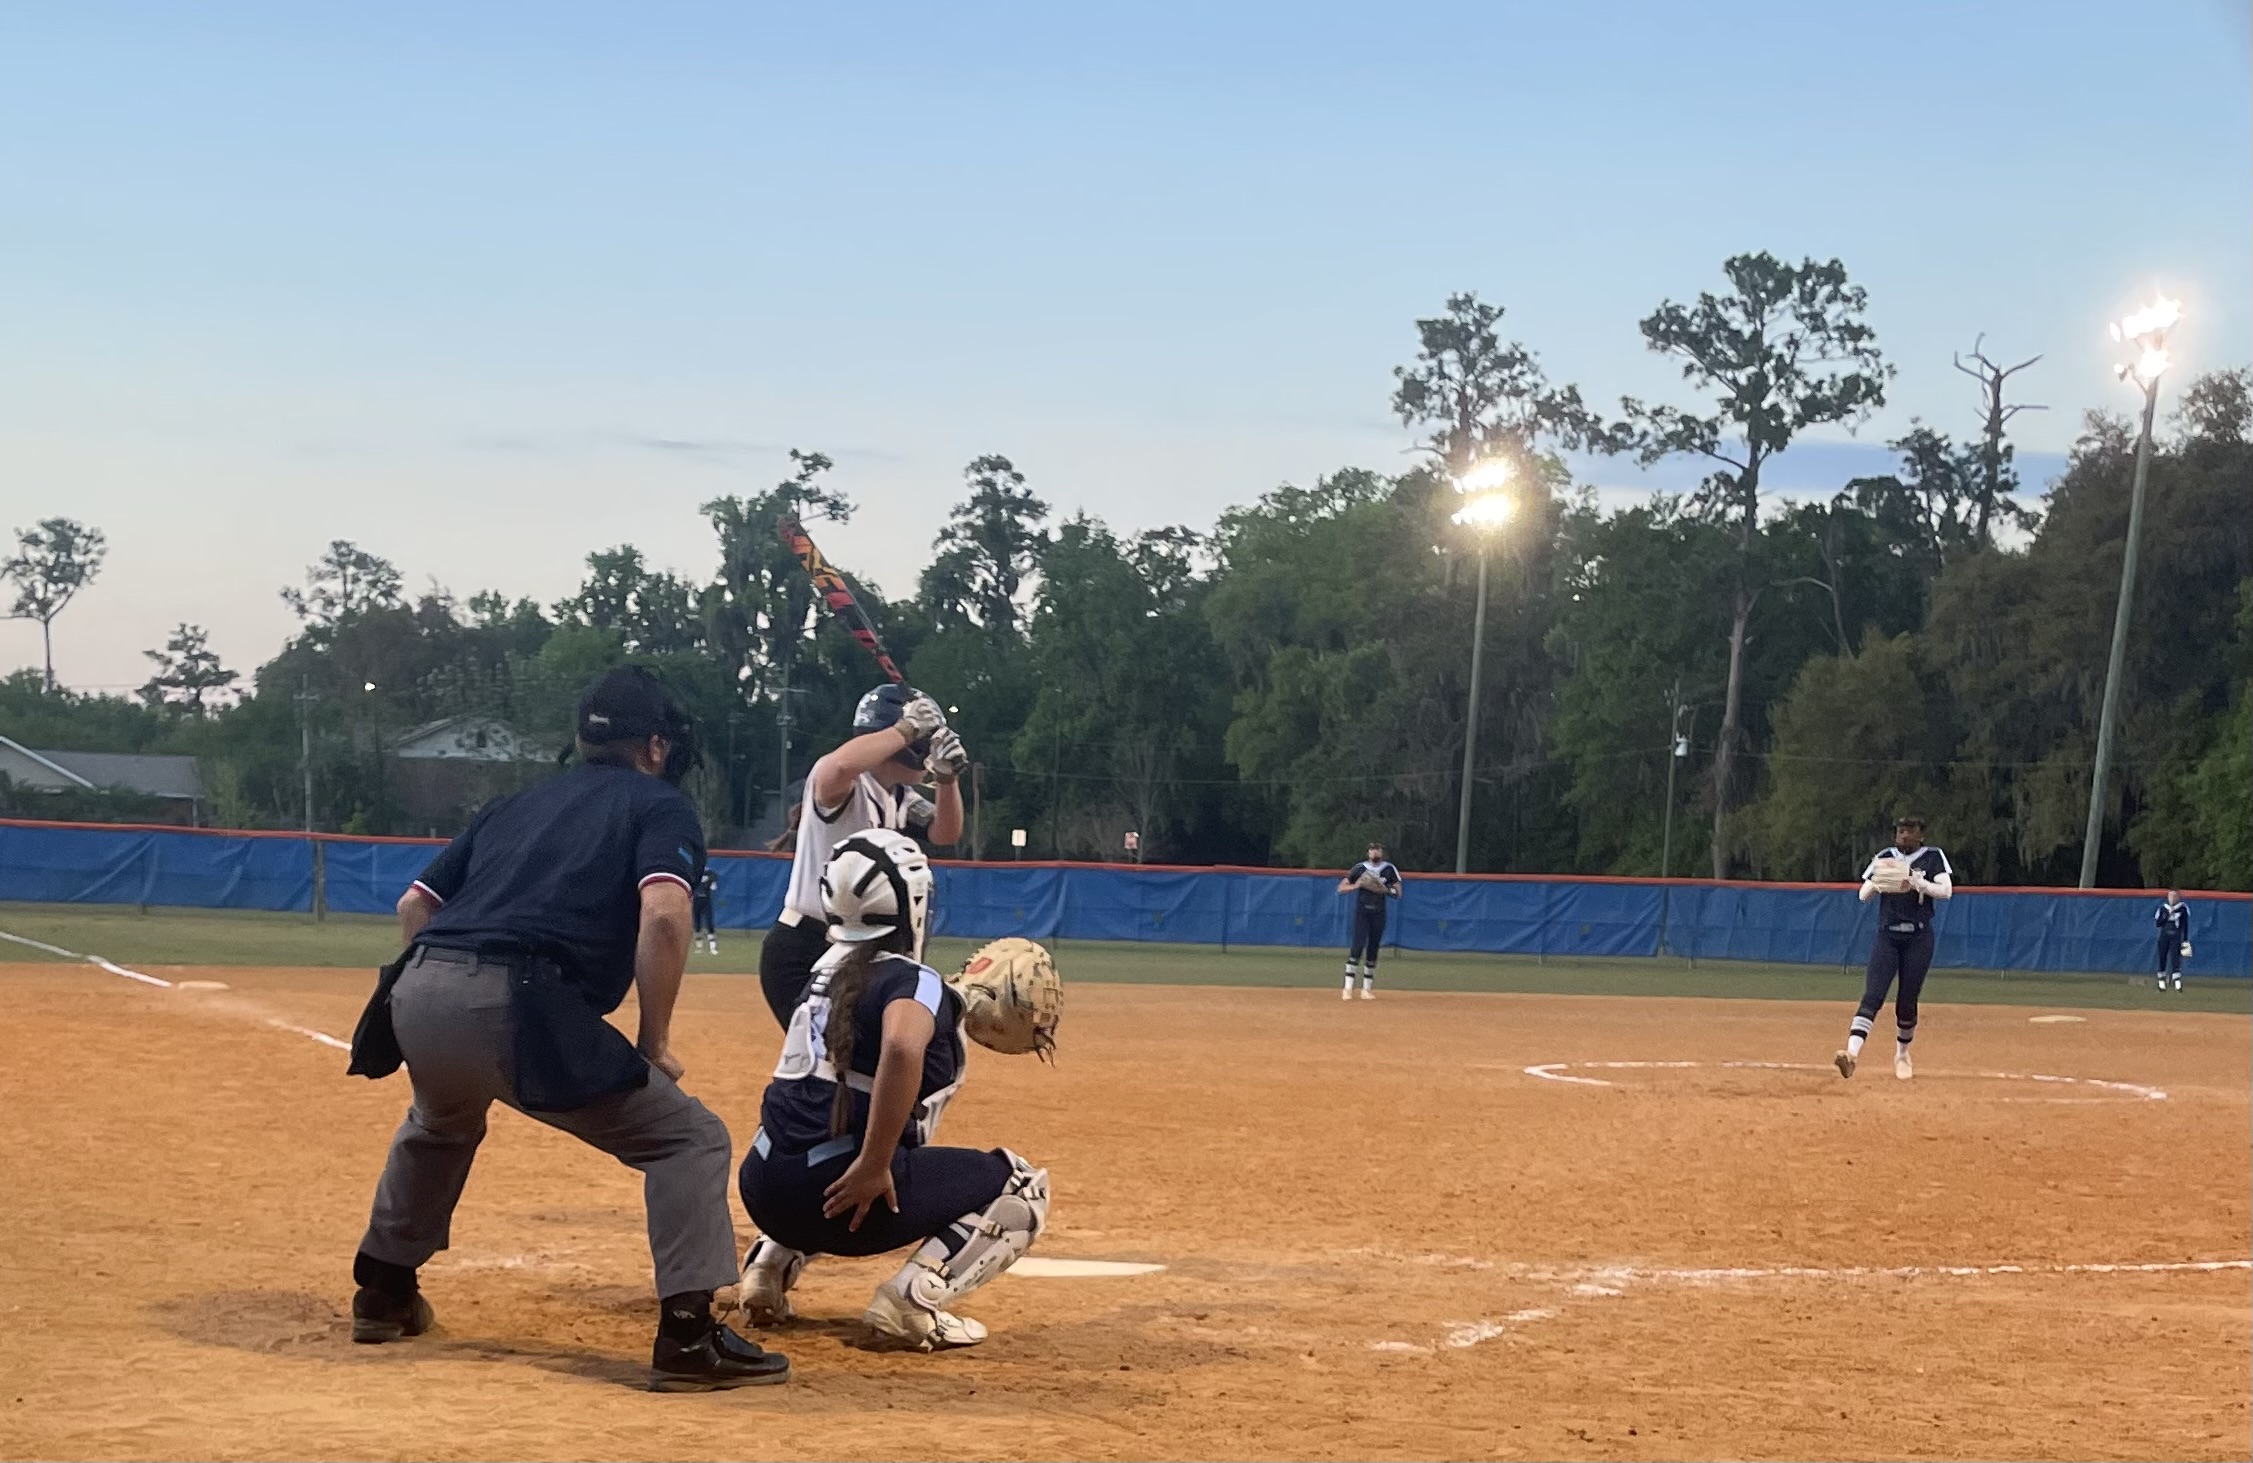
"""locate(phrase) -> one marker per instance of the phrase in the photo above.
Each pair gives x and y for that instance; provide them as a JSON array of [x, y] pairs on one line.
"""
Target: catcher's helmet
[[878, 884], [629, 702], [881, 708]]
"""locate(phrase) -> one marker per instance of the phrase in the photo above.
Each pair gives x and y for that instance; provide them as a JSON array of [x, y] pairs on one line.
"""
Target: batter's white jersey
[[869, 805]]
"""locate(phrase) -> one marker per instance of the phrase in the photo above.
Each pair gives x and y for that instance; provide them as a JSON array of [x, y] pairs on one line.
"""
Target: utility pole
[[2146, 331], [1471, 723], [1678, 747], [2108, 720], [304, 700], [977, 811]]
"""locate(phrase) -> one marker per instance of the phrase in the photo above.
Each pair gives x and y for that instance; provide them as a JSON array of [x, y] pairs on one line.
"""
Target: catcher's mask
[[877, 886], [628, 703], [881, 708]]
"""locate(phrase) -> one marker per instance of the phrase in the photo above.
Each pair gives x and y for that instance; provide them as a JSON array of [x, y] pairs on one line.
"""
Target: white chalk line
[[1609, 1281], [115, 969], [1555, 1072]]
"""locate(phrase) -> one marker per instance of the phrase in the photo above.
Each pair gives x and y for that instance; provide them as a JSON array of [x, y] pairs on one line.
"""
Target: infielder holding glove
[[866, 783], [1371, 882], [2173, 922], [1907, 880], [843, 1163]]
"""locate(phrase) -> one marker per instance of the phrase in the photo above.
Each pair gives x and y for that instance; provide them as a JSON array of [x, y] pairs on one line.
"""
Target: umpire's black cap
[[629, 702]]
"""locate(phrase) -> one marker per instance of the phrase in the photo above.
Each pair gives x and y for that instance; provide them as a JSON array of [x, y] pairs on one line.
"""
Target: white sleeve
[[1869, 890], [1940, 886]]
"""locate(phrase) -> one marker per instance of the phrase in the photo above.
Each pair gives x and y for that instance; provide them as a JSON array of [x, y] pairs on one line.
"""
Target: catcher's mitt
[[1891, 875], [1012, 999]]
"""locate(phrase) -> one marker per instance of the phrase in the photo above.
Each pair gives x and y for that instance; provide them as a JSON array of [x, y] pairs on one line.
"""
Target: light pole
[[1485, 509], [2146, 330]]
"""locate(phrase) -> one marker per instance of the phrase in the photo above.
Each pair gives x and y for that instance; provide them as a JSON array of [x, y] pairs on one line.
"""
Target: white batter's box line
[[1555, 1072], [115, 969]]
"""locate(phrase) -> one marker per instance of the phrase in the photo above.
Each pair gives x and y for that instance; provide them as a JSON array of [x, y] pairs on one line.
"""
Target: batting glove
[[947, 756], [920, 718]]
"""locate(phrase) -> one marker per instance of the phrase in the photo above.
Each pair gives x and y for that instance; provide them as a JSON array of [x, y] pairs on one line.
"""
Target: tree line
[[1292, 681]]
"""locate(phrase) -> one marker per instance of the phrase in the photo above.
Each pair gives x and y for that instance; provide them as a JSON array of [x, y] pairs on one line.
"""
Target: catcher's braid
[[845, 988]]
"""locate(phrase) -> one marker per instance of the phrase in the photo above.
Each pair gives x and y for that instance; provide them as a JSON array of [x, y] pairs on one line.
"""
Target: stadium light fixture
[[2146, 330], [1488, 507]]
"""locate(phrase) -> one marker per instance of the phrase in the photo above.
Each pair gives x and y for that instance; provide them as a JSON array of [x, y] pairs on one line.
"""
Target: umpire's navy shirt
[[557, 870]]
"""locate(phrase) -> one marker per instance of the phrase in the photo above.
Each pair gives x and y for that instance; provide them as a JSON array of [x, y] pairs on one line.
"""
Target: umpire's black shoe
[[380, 1316], [715, 1361]]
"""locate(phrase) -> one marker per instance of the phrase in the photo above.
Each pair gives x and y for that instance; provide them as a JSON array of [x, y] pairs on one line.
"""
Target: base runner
[[1907, 880], [843, 1163], [866, 783]]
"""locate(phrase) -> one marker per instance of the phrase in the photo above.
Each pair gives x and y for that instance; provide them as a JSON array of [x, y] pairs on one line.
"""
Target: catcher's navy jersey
[[1909, 907], [1383, 869], [796, 1112]]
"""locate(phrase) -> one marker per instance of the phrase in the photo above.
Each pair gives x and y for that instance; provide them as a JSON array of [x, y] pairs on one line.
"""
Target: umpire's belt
[[814, 1157]]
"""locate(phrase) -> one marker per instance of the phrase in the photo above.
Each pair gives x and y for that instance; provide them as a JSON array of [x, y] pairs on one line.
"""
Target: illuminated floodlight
[[1487, 511], [1485, 477], [2147, 331]]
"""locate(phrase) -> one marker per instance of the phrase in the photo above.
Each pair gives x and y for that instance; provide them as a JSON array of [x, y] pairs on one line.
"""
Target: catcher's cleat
[[898, 1321], [1844, 1061], [378, 1317], [1901, 1067], [768, 1273]]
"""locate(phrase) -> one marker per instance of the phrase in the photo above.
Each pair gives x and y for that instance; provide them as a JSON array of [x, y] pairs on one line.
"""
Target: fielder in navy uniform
[[866, 783], [521, 936], [2173, 920], [1902, 947], [844, 1162], [1372, 882], [707, 923]]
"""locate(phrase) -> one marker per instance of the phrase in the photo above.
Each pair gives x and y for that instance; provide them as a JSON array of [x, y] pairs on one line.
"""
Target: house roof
[[473, 737], [151, 774]]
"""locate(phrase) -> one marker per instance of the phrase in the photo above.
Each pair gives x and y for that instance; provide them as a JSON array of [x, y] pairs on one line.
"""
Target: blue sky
[[484, 288]]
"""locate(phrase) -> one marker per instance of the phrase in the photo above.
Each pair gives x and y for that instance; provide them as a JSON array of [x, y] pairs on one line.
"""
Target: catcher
[[1908, 880], [843, 1163], [1371, 882]]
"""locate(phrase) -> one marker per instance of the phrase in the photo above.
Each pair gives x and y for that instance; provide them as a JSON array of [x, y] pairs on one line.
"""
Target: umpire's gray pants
[[451, 1014]]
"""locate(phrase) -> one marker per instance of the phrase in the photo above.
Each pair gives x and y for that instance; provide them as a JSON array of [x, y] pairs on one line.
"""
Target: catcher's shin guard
[[912, 1305]]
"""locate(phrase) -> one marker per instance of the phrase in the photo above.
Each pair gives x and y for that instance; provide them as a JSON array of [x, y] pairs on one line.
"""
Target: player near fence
[[844, 1162], [707, 928], [1907, 880], [902, 737], [2173, 922], [521, 935], [1372, 883]]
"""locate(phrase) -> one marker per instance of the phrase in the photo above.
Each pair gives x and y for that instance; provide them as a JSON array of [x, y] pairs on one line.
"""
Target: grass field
[[231, 937]]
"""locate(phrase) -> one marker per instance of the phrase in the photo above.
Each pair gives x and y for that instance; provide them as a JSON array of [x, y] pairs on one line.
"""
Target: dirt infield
[[1383, 1236]]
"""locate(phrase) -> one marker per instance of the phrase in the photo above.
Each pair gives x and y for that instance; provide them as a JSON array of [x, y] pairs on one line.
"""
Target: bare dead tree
[[1994, 457]]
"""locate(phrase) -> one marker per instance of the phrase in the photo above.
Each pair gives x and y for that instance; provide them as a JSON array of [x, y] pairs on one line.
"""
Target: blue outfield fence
[[2105, 931]]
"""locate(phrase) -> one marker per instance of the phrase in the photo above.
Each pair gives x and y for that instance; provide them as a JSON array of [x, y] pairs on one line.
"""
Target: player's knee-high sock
[[1858, 1033], [1349, 974]]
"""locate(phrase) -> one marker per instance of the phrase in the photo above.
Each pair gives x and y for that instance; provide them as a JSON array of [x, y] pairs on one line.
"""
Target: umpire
[[521, 936]]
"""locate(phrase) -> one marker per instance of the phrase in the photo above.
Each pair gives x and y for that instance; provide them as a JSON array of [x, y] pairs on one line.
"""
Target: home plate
[[2054, 1020], [199, 985], [1041, 1267]]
